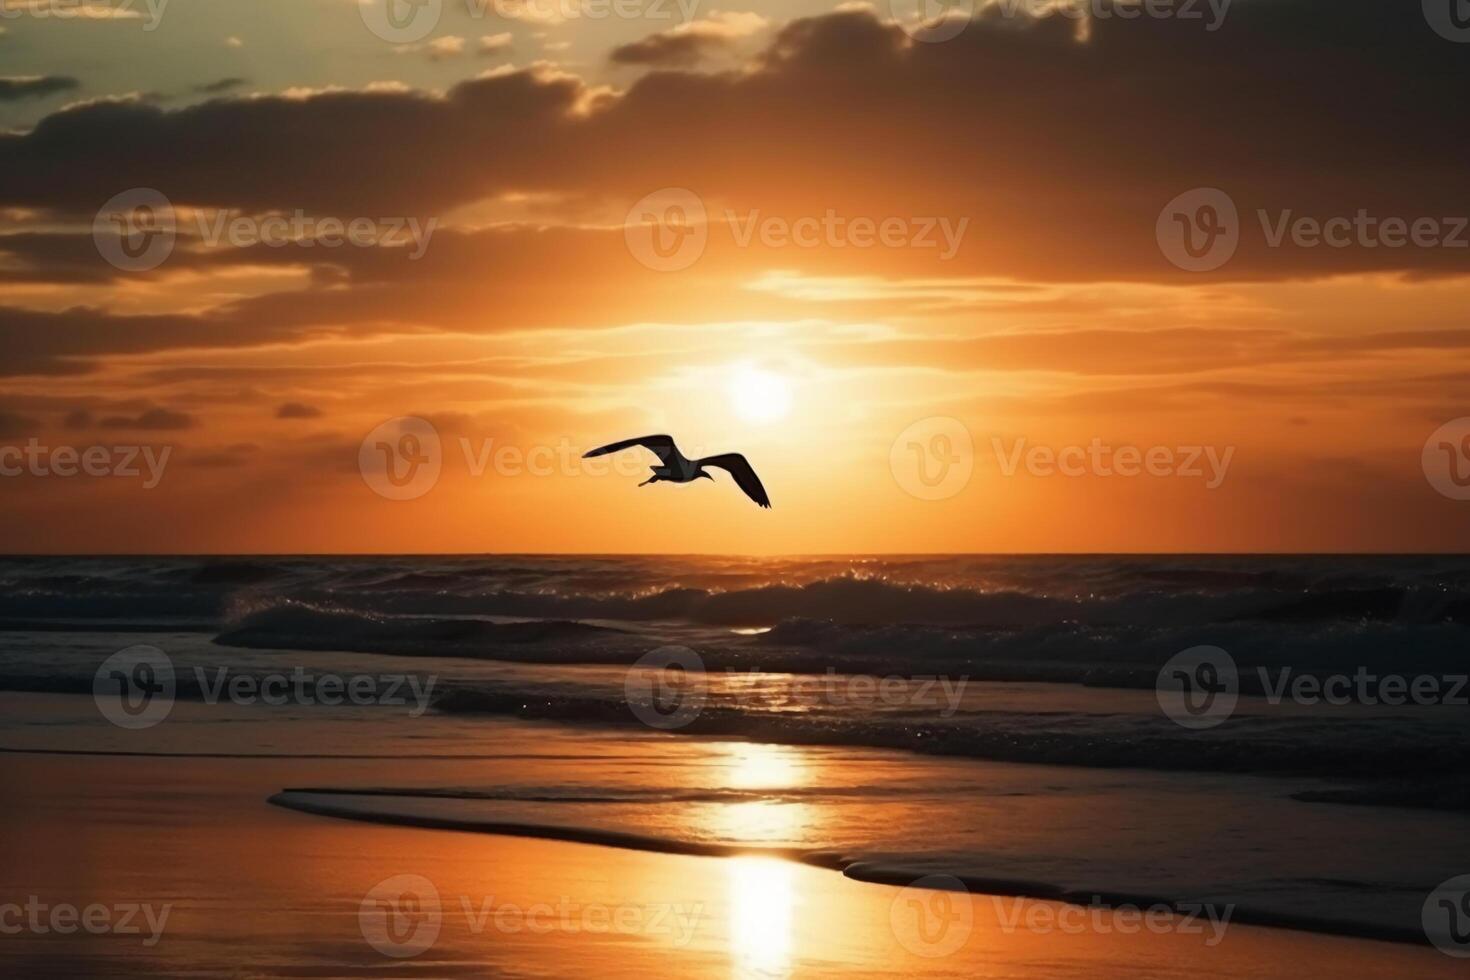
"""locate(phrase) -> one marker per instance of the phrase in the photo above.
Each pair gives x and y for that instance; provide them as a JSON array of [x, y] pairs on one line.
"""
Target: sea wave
[[289, 624], [1432, 749], [963, 591], [851, 600], [1122, 655]]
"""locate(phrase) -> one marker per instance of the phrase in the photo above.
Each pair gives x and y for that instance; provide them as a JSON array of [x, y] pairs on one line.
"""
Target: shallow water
[[258, 891], [1015, 829]]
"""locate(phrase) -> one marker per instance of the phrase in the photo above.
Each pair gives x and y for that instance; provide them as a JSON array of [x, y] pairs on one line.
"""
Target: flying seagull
[[677, 469]]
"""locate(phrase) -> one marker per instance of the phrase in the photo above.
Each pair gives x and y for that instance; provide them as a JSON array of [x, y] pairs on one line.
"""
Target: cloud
[[52, 257], [1065, 183], [234, 42], [161, 419], [13, 426], [686, 44], [266, 152], [16, 87], [221, 86], [449, 46], [445, 47], [64, 342], [298, 410], [494, 43]]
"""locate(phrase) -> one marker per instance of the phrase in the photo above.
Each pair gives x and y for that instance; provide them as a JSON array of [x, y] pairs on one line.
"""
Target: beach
[[255, 890], [527, 766]]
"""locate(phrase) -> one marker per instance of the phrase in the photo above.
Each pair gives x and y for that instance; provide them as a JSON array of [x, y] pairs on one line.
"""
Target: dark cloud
[[37, 342], [221, 86], [427, 151], [1063, 152], [53, 258], [13, 425], [663, 49], [682, 46], [161, 419], [298, 410], [15, 88]]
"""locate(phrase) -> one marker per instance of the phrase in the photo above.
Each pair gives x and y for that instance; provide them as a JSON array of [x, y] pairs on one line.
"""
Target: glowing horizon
[[541, 237]]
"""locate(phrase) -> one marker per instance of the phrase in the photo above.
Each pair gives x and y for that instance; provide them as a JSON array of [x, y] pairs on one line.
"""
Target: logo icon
[[665, 688], [134, 688], [1449, 18], [932, 21], [667, 231], [933, 916], [933, 458], [1446, 459], [135, 231], [401, 458], [1199, 230], [401, 21], [1198, 687], [1446, 917], [401, 916]]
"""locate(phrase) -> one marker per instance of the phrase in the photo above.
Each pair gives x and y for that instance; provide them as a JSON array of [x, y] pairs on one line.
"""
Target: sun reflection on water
[[762, 890], [755, 766], [768, 773], [762, 902], [762, 822]]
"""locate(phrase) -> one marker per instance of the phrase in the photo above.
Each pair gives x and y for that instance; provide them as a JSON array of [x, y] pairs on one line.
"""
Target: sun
[[759, 396]]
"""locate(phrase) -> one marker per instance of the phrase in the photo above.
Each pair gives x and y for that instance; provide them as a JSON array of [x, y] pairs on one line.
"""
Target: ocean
[[1282, 736]]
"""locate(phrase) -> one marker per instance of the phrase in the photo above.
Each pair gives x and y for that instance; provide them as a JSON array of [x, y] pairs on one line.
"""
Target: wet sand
[[256, 890]]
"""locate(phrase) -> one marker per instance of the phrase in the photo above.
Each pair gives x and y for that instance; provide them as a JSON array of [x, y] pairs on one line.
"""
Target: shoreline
[[871, 872], [277, 893]]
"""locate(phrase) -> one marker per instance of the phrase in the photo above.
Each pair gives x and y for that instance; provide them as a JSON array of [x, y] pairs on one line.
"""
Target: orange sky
[[1021, 289]]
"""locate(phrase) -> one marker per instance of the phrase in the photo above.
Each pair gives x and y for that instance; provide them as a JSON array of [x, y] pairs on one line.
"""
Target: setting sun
[[759, 396]]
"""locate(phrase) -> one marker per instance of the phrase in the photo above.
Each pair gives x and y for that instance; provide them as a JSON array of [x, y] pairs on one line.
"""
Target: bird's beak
[[706, 476]]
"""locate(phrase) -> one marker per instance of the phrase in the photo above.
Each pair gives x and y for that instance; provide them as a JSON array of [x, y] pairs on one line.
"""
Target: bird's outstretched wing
[[661, 446], [743, 473]]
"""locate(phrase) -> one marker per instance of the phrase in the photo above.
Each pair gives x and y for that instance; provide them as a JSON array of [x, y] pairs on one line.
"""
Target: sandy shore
[[255, 890]]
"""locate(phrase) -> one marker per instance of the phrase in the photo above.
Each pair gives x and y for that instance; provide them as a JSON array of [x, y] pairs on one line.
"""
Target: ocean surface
[[997, 719]]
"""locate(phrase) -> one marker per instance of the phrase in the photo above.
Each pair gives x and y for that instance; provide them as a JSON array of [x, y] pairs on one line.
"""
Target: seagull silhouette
[[677, 469]]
